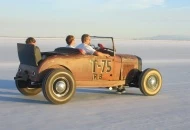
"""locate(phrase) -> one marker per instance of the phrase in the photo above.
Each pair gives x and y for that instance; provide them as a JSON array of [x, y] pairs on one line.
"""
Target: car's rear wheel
[[150, 82], [59, 86], [23, 88]]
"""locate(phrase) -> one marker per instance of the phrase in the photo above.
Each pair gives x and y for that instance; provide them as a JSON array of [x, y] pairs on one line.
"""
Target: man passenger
[[31, 41], [85, 45]]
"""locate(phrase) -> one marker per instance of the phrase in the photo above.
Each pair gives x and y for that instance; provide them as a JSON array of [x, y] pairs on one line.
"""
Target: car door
[[82, 67]]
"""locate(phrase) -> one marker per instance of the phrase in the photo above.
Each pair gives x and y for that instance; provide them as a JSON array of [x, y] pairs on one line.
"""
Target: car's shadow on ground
[[9, 93], [103, 91], [90, 94]]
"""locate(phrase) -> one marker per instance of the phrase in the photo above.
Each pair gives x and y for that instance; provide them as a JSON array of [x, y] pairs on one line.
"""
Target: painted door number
[[104, 65]]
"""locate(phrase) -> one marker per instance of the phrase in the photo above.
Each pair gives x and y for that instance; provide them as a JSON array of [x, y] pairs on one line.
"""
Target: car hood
[[132, 59]]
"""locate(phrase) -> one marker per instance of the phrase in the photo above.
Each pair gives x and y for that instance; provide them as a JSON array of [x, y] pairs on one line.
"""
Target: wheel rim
[[60, 87], [152, 83]]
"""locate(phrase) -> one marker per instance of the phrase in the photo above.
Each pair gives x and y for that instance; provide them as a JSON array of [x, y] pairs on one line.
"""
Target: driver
[[85, 45]]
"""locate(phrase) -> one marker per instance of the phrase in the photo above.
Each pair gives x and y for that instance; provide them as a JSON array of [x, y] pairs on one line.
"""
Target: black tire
[[59, 86], [150, 82], [23, 88]]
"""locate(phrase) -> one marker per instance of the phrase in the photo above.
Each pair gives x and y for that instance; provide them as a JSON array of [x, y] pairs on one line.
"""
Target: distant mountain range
[[158, 37], [166, 37]]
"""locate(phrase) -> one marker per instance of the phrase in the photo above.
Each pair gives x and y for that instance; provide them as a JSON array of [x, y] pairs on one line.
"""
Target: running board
[[99, 83]]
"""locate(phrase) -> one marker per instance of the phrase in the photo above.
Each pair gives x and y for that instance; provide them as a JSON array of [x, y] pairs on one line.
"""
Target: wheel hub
[[152, 83], [60, 86]]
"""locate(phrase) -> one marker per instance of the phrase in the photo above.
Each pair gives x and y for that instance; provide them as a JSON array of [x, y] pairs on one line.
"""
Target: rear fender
[[46, 70]]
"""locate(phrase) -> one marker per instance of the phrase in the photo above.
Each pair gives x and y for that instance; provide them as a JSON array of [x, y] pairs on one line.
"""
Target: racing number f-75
[[105, 66]]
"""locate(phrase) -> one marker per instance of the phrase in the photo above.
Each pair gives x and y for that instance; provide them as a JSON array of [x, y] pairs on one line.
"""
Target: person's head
[[85, 39], [70, 39], [31, 41]]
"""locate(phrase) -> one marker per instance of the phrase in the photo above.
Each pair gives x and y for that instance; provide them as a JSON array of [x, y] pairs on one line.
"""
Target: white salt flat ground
[[101, 109]]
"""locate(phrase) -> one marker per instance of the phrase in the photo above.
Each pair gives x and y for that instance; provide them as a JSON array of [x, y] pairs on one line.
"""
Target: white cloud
[[132, 4]]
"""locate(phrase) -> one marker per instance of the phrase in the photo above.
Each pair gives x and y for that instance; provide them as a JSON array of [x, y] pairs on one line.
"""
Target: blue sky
[[117, 18]]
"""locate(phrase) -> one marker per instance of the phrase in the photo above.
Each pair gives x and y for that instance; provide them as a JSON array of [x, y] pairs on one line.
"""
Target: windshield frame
[[113, 45]]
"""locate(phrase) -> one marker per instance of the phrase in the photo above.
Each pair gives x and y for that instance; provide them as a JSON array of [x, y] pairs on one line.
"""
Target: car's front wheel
[[59, 86], [150, 82], [23, 88]]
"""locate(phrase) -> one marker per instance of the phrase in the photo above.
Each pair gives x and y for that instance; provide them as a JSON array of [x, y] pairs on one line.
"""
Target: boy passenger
[[70, 39]]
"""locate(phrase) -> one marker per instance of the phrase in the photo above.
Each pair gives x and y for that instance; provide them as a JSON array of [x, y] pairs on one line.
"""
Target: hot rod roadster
[[59, 72]]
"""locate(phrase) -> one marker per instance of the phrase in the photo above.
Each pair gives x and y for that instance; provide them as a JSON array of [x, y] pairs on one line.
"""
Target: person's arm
[[96, 53], [92, 51], [82, 51]]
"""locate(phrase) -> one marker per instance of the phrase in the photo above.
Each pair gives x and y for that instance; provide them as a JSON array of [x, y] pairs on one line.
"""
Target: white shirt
[[68, 46], [88, 49]]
